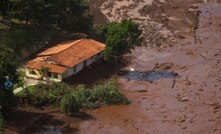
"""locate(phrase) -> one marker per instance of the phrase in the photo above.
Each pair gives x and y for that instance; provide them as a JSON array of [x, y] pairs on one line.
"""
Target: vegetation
[[120, 38], [82, 97], [19, 40], [71, 103], [1, 122], [64, 14], [71, 100], [8, 70], [46, 94]]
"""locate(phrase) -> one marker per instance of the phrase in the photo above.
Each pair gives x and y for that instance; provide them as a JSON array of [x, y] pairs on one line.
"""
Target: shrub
[[104, 95], [71, 103], [45, 94], [99, 95], [1, 122]]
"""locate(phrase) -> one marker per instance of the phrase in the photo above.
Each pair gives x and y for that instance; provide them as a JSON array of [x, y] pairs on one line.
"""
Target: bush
[[105, 95], [71, 103], [72, 100], [45, 94], [1, 122], [99, 95]]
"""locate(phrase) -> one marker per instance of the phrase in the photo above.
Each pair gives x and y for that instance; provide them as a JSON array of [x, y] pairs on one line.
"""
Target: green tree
[[121, 37], [8, 67], [1, 122], [71, 103], [70, 15]]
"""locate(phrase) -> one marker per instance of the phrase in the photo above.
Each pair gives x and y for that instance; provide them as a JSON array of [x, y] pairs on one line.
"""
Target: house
[[64, 59]]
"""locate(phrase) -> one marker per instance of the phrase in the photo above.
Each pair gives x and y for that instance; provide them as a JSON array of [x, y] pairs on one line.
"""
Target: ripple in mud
[[149, 76]]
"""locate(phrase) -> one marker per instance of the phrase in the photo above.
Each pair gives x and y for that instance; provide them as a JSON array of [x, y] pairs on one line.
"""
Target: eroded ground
[[182, 94]]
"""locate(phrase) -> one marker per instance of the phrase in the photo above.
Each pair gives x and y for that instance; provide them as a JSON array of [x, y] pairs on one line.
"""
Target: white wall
[[70, 71], [91, 60], [80, 66], [33, 76]]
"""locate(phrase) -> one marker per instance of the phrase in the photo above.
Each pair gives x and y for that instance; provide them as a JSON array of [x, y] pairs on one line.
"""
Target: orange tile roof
[[78, 52], [52, 67], [58, 48], [66, 54]]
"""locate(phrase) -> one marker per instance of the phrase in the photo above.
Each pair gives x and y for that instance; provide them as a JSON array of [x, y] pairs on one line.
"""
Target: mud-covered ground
[[190, 103], [175, 90]]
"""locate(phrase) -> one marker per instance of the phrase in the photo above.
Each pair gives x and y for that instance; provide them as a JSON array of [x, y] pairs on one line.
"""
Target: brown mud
[[189, 101]]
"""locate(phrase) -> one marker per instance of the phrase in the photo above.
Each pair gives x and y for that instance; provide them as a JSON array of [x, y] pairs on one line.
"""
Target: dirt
[[188, 102]]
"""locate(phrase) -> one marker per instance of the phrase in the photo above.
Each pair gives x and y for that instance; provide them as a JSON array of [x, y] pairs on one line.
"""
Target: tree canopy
[[65, 14], [121, 37], [8, 70]]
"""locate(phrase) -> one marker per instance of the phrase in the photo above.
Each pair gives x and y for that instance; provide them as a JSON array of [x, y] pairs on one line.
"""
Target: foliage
[[121, 37], [66, 14], [97, 96], [45, 94], [19, 40], [8, 66], [21, 81], [105, 95], [1, 122], [71, 103], [71, 100]]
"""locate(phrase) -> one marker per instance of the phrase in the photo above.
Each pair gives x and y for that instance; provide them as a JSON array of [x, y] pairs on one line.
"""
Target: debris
[[155, 66], [184, 99], [142, 91], [174, 82], [131, 69]]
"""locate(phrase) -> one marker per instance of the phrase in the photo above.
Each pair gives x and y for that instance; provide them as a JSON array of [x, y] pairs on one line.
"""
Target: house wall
[[80, 66], [38, 76], [91, 60], [33, 76]]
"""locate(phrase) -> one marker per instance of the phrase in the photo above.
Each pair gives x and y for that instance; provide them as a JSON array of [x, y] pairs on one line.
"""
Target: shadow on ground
[[96, 73]]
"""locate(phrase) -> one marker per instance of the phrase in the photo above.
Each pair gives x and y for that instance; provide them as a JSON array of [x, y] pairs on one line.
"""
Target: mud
[[188, 102], [149, 76]]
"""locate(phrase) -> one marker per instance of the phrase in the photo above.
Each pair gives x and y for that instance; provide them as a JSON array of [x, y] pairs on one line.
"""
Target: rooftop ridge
[[75, 42]]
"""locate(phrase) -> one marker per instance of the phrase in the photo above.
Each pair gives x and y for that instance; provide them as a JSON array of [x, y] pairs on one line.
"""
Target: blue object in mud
[[8, 84]]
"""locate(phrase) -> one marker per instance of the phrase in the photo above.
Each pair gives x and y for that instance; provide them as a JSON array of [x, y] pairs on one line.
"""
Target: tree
[[121, 37], [8, 70], [66, 14], [71, 103], [1, 122]]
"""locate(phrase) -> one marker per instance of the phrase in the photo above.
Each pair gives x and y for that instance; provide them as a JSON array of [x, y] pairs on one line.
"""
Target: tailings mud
[[190, 103]]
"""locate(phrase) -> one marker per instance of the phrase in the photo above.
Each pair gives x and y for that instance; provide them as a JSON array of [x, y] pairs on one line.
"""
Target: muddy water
[[150, 76], [192, 106]]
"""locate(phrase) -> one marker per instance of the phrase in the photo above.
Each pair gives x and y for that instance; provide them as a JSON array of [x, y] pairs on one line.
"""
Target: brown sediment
[[190, 103]]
